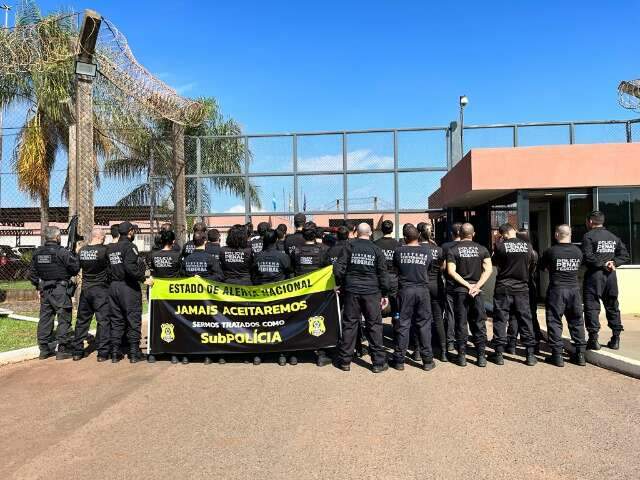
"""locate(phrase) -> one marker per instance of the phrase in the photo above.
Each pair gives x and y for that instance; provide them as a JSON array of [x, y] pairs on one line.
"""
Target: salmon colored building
[[538, 188]]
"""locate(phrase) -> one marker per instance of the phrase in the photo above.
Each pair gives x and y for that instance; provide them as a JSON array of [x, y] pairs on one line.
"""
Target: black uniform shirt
[[388, 246], [563, 261], [271, 265], [236, 265], [334, 252], [435, 266], [203, 264], [412, 263], [309, 257], [600, 246], [124, 261], [213, 248], [280, 245], [256, 245], [513, 258], [362, 268], [292, 241], [451, 285], [52, 262], [95, 266], [188, 249], [166, 264], [468, 257]]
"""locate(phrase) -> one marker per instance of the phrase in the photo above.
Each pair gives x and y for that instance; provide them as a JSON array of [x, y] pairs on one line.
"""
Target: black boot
[[580, 359], [614, 343], [592, 343], [293, 360], [396, 365], [207, 360], [555, 359], [257, 360], [380, 368], [428, 365], [482, 358], [174, 359], [323, 359], [461, 360], [62, 354], [451, 346], [531, 359], [135, 357], [116, 357], [417, 357], [185, 360], [443, 354], [497, 356], [282, 360], [511, 348], [45, 355], [151, 358]]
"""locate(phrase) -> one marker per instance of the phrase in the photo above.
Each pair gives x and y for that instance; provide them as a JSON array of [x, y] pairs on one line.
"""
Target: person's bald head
[[364, 230], [563, 233], [467, 231], [97, 236]]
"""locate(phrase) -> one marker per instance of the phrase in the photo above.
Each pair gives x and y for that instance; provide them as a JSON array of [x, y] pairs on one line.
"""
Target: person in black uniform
[[213, 243], [295, 239], [307, 258], [269, 266], [115, 236], [281, 230], [125, 295], [52, 267], [449, 315], [411, 261], [563, 261], [236, 259], [603, 253], [513, 258], [201, 262], [389, 245], [94, 297], [189, 246], [362, 274], [342, 235], [469, 267], [436, 293], [157, 243], [256, 242]]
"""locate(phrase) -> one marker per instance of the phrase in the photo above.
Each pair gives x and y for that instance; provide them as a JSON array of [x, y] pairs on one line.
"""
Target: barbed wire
[[629, 94]]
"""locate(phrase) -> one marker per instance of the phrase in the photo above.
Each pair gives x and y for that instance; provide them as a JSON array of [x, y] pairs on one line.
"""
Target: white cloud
[[239, 208], [362, 159], [187, 87]]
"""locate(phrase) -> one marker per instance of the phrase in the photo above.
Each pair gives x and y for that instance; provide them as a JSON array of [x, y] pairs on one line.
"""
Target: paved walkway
[[87, 420]]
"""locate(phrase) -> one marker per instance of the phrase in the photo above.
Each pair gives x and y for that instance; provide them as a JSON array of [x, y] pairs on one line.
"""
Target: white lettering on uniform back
[[469, 252], [363, 259], [606, 246], [519, 247]]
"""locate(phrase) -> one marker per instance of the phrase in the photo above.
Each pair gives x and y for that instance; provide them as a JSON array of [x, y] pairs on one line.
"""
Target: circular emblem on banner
[[316, 326], [167, 334]]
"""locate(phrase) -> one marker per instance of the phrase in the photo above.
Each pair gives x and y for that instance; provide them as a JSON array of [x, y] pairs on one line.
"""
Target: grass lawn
[[16, 334], [16, 285]]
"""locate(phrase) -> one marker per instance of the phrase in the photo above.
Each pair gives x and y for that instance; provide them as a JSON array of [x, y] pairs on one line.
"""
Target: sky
[[303, 66]]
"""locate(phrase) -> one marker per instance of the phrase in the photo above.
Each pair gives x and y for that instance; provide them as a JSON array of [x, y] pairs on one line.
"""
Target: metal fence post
[[198, 179], [572, 133], [515, 135], [295, 173], [345, 201], [628, 130], [396, 192], [247, 186]]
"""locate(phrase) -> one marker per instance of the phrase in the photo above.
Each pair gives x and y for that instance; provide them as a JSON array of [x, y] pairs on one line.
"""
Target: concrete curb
[[606, 359], [21, 355]]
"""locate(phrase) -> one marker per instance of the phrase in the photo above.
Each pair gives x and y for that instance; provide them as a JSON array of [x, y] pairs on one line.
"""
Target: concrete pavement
[[87, 420]]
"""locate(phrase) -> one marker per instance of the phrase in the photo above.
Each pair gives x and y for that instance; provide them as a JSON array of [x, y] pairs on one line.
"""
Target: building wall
[[628, 281]]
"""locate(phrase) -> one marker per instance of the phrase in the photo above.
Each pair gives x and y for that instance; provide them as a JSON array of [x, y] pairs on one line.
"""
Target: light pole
[[463, 103], [6, 9]]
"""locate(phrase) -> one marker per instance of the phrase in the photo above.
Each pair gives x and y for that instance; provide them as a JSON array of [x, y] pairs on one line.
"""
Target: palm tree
[[144, 150], [46, 89]]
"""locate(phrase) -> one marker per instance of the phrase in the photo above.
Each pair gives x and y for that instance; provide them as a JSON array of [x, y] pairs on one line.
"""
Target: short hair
[[281, 230], [299, 220], [456, 229], [351, 225], [319, 232], [523, 234], [199, 227], [309, 231], [563, 231], [97, 233], [165, 226], [467, 230], [199, 238], [114, 230], [237, 237], [269, 238], [167, 237], [505, 228], [249, 228], [424, 231], [342, 233], [410, 233], [213, 235], [596, 217], [387, 227], [51, 233], [263, 227]]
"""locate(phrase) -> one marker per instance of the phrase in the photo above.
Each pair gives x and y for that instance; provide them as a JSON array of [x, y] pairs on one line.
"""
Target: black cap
[[126, 227]]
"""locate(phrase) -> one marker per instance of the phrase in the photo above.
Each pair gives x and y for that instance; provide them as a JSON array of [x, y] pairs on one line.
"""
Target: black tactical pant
[[55, 301], [415, 310], [125, 303], [437, 297], [94, 300], [450, 316], [603, 286], [512, 331], [469, 311], [567, 302], [356, 306], [505, 307]]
